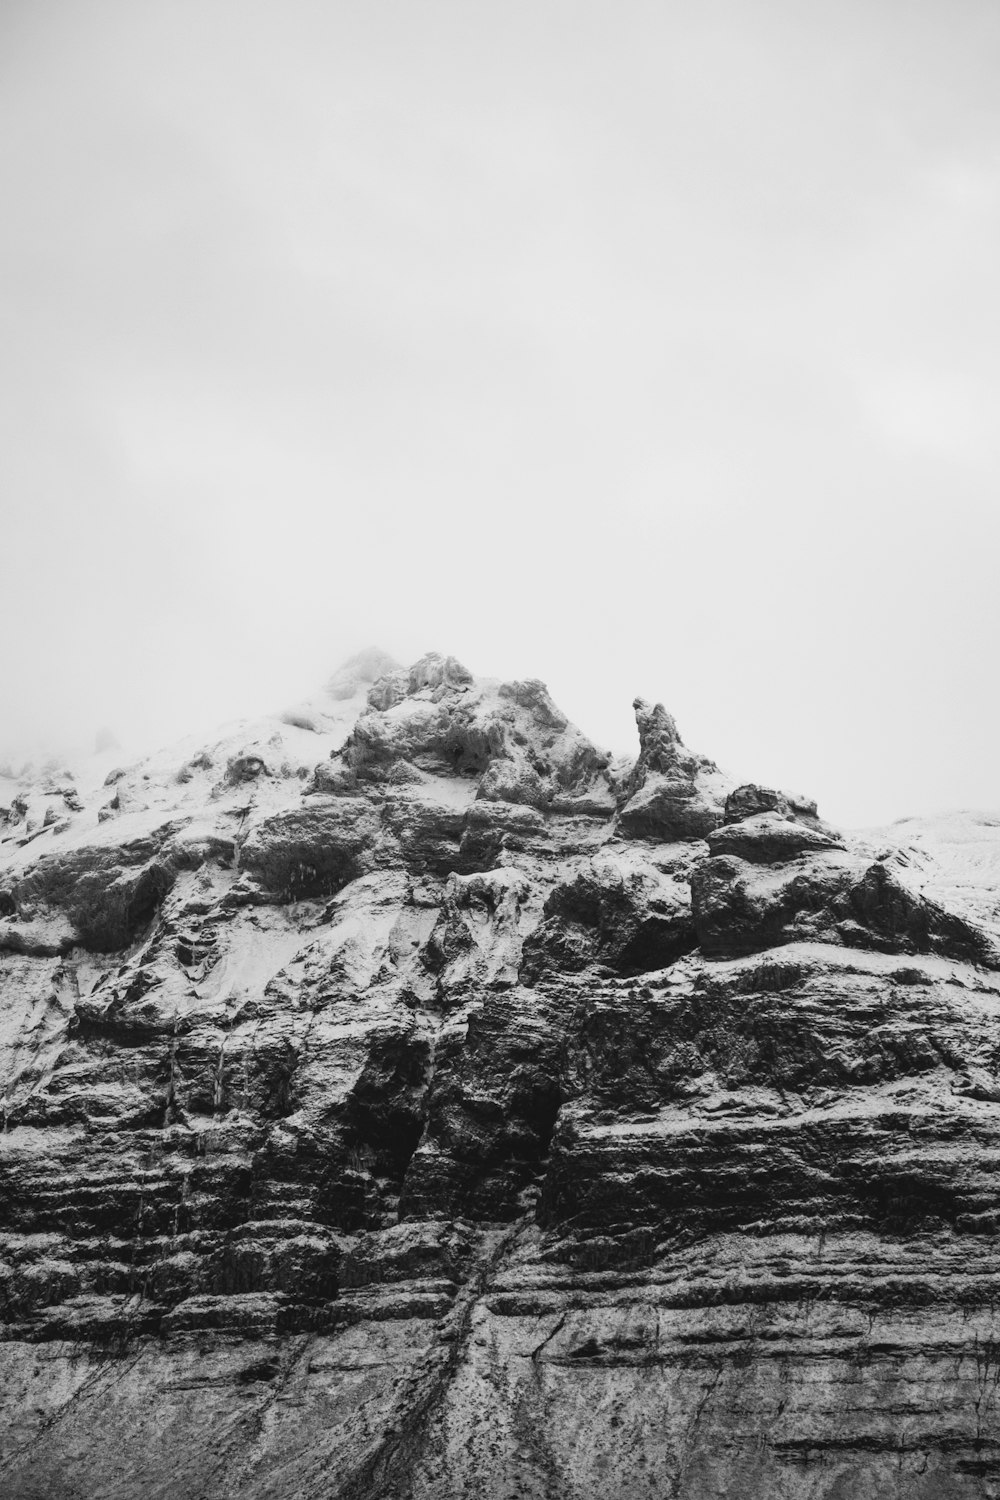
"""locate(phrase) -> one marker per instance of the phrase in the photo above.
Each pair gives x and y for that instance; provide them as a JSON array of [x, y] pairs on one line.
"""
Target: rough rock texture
[[401, 1099]]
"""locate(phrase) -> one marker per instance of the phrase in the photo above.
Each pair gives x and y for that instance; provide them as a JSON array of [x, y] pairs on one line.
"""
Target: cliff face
[[402, 1099]]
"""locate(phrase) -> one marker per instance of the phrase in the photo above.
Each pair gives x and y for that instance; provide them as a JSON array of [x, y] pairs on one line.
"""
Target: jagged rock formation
[[401, 1098]]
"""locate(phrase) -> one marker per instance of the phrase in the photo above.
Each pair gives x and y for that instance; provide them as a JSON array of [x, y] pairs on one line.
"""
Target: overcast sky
[[642, 347]]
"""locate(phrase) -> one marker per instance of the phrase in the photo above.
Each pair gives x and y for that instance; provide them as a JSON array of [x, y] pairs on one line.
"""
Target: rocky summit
[[403, 1098]]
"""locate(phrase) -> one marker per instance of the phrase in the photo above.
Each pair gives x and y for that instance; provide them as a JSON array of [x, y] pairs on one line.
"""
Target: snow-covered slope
[[955, 859]]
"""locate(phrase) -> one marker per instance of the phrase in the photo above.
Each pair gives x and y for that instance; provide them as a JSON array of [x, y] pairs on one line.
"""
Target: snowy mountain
[[402, 1098]]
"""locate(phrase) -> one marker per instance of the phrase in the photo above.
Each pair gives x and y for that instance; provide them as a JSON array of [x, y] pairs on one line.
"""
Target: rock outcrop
[[401, 1098]]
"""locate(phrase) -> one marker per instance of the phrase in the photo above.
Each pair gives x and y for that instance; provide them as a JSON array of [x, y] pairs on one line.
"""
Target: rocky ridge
[[403, 1098]]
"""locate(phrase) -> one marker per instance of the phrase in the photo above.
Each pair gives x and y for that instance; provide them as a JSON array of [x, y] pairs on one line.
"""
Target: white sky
[[642, 347]]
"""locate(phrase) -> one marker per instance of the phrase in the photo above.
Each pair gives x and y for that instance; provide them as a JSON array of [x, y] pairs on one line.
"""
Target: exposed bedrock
[[670, 793], [314, 850], [401, 1099], [507, 738], [833, 896], [616, 911]]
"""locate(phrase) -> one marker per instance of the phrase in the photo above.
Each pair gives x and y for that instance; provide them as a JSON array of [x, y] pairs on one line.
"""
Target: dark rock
[[670, 793], [908, 922], [314, 852], [747, 801], [626, 916], [508, 738], [770, 838], [107, 892], [830, 896]]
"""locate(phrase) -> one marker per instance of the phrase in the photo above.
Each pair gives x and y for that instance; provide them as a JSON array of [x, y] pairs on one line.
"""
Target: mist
[[646, 349]]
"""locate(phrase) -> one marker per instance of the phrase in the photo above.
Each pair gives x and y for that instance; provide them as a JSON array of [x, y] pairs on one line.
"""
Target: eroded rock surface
[[401, 1098]]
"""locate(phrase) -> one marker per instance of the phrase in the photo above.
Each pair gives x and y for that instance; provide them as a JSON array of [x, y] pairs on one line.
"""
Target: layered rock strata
[[402, 1098]]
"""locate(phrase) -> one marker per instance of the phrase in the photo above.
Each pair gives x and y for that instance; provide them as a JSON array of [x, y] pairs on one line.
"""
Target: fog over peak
[[642, 349]]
